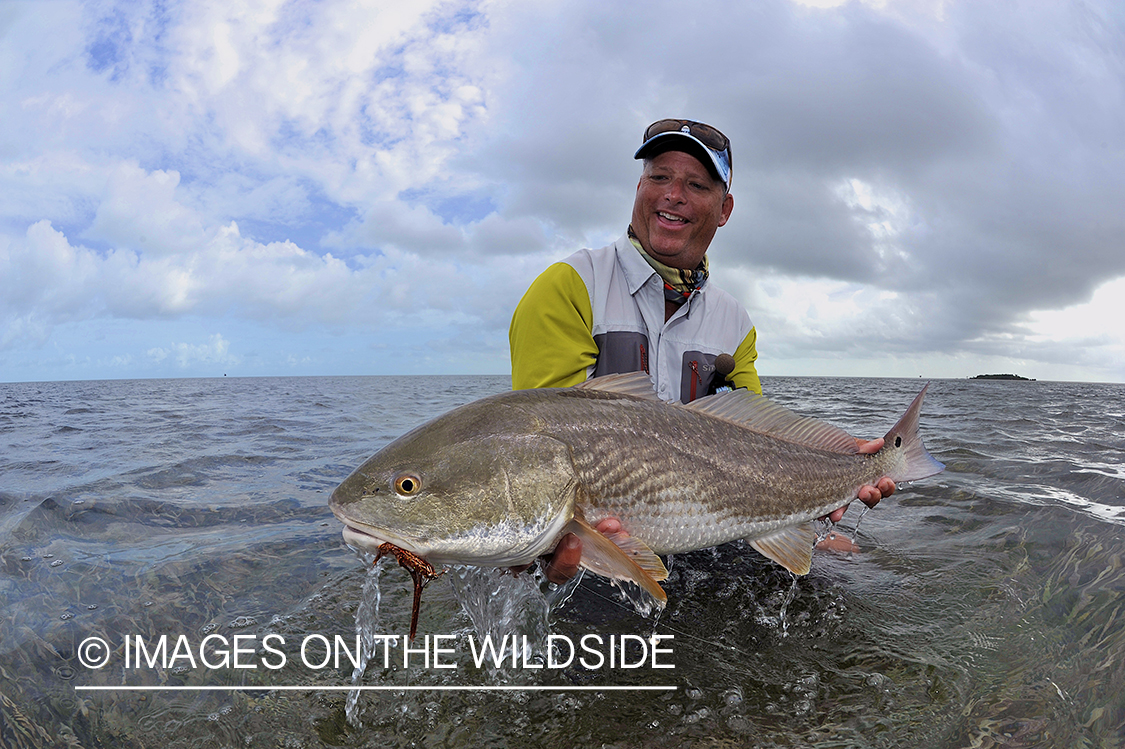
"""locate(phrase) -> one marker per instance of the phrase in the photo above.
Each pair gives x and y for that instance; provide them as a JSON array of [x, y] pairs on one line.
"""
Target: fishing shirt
[[601, 312]]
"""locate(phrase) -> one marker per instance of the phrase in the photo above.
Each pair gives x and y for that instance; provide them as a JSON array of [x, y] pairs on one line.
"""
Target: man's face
[[678, 208]]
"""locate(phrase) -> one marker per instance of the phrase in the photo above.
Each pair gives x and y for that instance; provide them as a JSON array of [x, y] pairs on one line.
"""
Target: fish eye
[[408, 484]]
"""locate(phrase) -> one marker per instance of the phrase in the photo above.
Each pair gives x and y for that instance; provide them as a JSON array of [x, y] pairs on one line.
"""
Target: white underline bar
[[298, 688]]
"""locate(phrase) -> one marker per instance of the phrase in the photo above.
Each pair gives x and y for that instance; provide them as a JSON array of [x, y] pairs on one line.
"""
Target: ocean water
[[983, 608]]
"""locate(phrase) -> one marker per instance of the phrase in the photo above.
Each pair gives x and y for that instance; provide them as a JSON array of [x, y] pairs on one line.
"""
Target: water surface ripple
[[984, 608]]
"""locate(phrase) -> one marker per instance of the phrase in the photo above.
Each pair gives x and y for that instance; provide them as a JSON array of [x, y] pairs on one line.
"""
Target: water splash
[[500, 604], [367, 625], [778, 603], [828, 538], [644, 604], [782, 619]]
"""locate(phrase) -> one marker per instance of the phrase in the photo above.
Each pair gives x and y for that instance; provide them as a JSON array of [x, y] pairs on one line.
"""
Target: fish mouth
[[362, 539], [370, 539]]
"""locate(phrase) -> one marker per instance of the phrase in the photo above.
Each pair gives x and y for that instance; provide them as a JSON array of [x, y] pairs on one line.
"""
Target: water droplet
[[78, 502], [48, 556], [65, 672], [696, 716], [739, 724], [57, 562], [243, 621], [26, 559], [66, 616], [208, 628], [92, 607]]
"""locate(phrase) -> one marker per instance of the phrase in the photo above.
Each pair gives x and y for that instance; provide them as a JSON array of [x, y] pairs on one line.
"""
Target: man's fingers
[[869, 494], [564, 562], [869, 447], [606, 526]]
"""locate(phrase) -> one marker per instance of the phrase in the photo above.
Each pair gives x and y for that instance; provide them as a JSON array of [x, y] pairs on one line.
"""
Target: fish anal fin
[[620, 557], [791, 547]]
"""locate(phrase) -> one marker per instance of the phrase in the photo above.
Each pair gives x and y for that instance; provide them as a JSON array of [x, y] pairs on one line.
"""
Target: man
[[644, 303]]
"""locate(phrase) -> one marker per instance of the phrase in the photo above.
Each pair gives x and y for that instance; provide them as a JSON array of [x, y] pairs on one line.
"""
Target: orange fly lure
[[420, 570]]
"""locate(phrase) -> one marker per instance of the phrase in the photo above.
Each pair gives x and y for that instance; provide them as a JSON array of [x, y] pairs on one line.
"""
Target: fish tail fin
[[917, 463]]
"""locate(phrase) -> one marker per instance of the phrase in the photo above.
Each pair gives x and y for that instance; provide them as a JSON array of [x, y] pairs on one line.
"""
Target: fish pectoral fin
[[620, 556], [639, 553], [791, 547]]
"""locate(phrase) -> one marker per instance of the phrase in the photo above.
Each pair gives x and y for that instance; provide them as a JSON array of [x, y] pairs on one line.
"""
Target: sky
[[296, 187]]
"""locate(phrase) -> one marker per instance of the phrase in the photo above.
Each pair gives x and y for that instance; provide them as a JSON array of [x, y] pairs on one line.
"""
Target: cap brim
[[677, 140]]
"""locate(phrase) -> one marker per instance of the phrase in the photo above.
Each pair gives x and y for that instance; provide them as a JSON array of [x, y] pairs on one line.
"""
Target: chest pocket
[[620, 352], [698, 376]]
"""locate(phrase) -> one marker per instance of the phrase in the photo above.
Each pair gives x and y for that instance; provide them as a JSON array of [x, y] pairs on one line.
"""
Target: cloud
[[138, 211], [186, 355], [165, 265], [911, 179]]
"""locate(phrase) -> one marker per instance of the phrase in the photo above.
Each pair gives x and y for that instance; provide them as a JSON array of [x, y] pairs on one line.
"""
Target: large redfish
[[497, 482]]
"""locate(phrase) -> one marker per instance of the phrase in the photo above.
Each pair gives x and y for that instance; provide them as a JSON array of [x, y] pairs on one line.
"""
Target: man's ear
[[728, 206]]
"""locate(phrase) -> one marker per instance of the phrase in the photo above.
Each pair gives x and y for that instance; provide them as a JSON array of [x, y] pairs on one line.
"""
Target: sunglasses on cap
[[706, 134], [716, 144]]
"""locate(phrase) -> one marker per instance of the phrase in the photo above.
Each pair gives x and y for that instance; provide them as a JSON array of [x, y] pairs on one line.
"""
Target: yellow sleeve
[[745, 374], [550, 335]]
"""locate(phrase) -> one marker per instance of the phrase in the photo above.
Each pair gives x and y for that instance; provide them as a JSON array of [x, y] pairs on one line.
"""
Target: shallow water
[[983, 609]]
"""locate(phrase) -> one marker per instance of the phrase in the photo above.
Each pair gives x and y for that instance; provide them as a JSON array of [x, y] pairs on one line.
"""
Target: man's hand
[[563, 563], [869, 494]]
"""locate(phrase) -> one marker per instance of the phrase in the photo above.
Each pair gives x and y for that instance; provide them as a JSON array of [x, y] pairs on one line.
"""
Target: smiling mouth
[[670, 217]]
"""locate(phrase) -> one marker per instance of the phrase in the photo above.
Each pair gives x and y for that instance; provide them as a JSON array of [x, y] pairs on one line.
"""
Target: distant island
[[1001, 377]]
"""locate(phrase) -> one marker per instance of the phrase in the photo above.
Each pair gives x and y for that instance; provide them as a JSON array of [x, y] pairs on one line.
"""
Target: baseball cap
[[693, 137]]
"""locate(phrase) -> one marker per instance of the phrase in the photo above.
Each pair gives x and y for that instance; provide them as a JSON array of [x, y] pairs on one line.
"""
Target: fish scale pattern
[[684, 479]]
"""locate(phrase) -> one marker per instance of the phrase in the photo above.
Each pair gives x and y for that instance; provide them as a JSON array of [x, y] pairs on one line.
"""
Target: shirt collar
[[637, 270]]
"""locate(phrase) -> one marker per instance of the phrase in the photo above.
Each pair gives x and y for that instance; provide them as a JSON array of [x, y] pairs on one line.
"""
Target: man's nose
[[675, 191]]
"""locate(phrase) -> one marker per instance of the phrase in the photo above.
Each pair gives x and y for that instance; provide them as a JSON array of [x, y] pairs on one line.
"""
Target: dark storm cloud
[[991, 139]]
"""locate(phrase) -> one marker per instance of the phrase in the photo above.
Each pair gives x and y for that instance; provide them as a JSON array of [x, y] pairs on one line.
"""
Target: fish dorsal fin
[[759, 414], [620, 557], [637, 384], [791, 547]]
